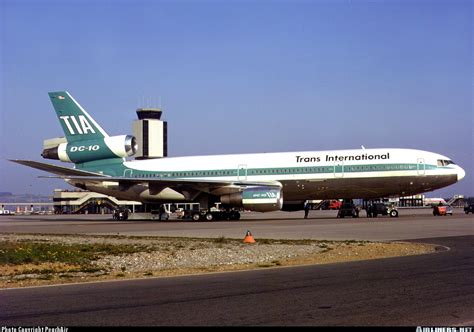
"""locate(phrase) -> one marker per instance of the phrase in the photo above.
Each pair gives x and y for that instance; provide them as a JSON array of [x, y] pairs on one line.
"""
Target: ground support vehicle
[[334, 204], [120, 214], [348, 210], [442, 210], [469, 208], [382, 209]]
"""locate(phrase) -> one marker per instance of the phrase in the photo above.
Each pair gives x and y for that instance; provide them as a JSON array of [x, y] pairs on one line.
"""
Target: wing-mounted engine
[[88, 150], [261, 199]]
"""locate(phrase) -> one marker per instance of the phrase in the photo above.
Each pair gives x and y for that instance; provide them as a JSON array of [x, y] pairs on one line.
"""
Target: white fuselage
[[361, 173]]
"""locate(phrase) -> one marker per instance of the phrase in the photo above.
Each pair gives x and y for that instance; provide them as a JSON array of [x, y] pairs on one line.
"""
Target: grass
[[47, 260], [24, 252]]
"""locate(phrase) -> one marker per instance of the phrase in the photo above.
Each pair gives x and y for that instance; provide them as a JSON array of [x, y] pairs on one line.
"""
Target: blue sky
[[242, 76]]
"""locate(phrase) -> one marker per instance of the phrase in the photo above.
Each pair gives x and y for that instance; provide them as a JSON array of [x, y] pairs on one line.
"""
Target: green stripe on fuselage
[[118, 169]]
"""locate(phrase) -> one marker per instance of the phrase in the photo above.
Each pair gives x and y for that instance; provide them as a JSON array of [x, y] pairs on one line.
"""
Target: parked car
[[349, 210], [442, 210], [469, 208]]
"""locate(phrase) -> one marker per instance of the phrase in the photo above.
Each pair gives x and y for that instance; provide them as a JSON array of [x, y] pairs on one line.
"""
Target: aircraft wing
[[218, 187], [59, 170]]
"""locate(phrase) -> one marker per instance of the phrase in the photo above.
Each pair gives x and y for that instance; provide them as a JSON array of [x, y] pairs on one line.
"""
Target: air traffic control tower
[[151, 134]]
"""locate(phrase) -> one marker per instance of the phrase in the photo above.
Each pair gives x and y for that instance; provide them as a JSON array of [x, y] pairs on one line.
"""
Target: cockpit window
[[443, 162]]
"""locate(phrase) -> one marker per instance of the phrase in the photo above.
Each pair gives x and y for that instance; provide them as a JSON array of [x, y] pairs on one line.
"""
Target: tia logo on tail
[[82, 126]]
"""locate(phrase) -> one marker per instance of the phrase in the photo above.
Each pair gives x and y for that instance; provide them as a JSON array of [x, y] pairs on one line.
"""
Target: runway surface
[[433, 289], [412, 224]]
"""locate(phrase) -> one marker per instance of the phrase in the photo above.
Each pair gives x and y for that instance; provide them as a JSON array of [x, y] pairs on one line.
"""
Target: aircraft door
[[127, 173], [421, 166], [338, 169], [242, 172]]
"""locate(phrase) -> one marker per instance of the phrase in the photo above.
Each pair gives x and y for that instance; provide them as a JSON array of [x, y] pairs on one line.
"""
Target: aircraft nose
[[461, 173]]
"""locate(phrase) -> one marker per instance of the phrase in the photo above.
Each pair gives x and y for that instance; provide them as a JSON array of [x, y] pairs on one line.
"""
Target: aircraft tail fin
[[87, 144], [77, 124]]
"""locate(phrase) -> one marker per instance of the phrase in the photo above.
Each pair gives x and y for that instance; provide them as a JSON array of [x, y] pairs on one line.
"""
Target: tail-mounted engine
[[262, 199], [90, 150]]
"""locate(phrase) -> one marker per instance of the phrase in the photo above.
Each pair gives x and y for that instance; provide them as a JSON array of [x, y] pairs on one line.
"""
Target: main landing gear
[[212, 215]]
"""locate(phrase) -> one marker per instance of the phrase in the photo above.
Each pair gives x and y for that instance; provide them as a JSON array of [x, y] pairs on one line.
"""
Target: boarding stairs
[[454, 199]]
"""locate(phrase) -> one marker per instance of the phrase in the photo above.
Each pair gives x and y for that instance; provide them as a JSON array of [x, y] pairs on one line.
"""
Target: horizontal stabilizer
[[59, 170]]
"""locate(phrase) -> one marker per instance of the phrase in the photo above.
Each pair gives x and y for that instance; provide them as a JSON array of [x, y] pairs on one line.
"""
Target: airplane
[[257, 182]]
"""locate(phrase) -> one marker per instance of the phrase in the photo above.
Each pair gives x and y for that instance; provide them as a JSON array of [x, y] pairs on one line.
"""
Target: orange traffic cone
[[249, 238]]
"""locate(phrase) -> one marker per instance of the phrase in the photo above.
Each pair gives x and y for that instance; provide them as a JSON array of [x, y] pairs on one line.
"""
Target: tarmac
[[424, 290], [322, 225]]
